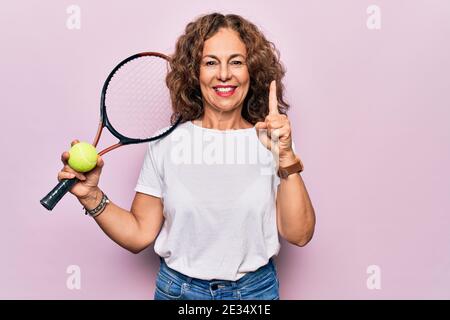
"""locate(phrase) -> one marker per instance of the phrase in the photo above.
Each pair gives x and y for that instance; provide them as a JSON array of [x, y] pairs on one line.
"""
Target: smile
[[225, 91]]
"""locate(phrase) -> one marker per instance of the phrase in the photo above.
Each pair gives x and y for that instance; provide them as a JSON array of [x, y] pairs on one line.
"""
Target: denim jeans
[[261, 284]]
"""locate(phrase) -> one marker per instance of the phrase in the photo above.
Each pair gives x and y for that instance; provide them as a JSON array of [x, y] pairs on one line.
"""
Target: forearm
[[118, 224], [296, 213]]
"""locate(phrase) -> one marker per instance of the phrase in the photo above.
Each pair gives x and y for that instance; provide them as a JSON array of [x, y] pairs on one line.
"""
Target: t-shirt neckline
[[220, 131]]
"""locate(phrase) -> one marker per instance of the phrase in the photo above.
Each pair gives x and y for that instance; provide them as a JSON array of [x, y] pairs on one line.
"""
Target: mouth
[[224, 90]]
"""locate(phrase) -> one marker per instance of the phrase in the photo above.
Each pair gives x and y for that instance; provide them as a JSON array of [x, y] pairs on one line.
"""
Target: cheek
[[204, 80], [245, 81], [206, 75], [244, 78], [202, 77]]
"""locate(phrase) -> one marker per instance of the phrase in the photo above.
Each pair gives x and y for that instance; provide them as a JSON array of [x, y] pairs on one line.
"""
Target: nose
[[224, 72]]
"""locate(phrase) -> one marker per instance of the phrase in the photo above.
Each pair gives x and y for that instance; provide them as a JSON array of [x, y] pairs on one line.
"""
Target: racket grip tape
[[53, 197]]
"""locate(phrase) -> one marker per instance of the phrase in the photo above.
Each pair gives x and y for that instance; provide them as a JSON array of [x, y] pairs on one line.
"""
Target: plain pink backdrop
[[370, 115]]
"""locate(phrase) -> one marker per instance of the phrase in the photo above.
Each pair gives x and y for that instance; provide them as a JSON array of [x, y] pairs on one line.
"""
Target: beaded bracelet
[[99, 209]]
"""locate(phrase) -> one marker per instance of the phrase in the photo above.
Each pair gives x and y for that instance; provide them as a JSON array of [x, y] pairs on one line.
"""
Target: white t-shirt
[[219, 195]]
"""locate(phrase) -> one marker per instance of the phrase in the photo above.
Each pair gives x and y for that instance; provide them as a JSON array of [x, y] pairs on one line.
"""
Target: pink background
[[370, 112]]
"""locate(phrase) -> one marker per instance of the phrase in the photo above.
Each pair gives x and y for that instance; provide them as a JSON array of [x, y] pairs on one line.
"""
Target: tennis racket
[[135, 107]]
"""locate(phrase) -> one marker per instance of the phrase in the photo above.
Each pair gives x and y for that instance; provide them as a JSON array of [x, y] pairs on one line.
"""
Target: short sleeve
[[149, 181]]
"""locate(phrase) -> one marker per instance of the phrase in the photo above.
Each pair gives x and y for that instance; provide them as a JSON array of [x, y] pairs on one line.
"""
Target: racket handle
[[53, 197]]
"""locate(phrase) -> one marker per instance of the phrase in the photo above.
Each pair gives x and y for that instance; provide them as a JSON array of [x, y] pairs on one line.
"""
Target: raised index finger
[[273, 101]]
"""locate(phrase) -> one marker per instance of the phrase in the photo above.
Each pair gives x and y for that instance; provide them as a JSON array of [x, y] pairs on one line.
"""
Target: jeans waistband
[[249, 277]]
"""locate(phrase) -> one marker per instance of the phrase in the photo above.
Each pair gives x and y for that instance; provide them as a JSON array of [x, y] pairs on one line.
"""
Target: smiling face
[[224, 77]]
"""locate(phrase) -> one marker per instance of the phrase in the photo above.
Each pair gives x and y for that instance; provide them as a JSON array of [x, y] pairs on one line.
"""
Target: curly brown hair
[[263, 62]]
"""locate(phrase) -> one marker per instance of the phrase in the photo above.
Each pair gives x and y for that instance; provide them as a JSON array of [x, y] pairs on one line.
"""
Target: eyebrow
[[231, 57]]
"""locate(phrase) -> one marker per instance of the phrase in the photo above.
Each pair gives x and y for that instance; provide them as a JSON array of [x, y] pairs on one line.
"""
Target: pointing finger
[[273, 101]]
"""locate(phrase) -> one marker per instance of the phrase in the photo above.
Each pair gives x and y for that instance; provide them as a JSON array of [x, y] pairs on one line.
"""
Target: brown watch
[[293, 168]]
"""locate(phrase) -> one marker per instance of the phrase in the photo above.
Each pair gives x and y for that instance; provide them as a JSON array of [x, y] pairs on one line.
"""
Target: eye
[[210, 63], [237, 62]]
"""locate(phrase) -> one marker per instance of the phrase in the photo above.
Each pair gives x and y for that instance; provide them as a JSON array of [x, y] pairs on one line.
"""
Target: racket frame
[[104, 121], [56, 194]]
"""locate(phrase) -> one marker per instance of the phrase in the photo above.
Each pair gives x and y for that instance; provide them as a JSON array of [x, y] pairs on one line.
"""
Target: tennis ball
[[83, 157]]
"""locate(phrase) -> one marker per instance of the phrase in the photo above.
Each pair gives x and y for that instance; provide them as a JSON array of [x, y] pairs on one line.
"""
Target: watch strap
[[297, 166]]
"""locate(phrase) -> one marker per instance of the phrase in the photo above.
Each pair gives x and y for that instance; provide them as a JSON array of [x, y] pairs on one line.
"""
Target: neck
[[220, 120]]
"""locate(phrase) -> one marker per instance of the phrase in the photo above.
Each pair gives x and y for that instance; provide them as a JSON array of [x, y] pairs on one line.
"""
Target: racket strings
[[137, 99]]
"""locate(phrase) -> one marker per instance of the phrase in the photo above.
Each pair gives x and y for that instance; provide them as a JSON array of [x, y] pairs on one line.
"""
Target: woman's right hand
[[88, 181]]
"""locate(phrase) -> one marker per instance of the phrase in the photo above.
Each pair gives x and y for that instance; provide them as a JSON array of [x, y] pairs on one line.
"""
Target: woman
[[213, 208]]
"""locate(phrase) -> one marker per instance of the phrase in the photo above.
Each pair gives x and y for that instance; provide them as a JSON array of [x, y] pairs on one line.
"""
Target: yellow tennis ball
[[83, 157]]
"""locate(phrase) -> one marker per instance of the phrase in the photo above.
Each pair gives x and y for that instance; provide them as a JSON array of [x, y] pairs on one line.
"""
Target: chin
[[226, 107]]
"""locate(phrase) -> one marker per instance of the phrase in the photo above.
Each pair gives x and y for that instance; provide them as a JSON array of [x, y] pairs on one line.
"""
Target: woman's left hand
[[275, 132]]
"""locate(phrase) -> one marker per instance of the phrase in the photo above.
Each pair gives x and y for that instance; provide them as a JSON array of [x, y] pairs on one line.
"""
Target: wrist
[[287, 159], [92, 199]]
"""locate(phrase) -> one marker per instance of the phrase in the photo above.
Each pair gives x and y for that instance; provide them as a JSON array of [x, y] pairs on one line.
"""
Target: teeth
[[224, 89]]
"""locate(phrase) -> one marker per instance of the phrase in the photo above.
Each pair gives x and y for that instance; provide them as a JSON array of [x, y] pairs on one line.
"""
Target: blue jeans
[[261, 284]]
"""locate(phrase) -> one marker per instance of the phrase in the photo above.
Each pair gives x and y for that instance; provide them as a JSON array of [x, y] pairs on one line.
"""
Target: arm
[[134, 230], [295, 214]]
